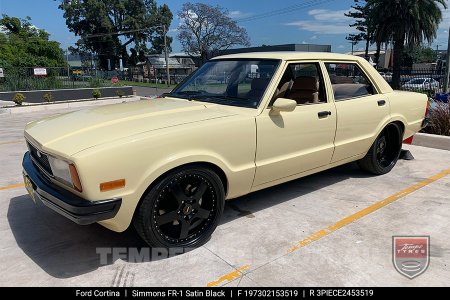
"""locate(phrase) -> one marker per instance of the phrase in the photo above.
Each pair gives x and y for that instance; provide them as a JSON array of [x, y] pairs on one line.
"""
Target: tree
[[108, 27], [424, 55], [406, 22], [24, 45], [361, 16], [164, 16], [206, 29]]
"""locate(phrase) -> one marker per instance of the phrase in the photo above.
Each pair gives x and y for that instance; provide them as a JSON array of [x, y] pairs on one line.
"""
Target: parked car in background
[[386, 75], [168, 165], [421, 84]]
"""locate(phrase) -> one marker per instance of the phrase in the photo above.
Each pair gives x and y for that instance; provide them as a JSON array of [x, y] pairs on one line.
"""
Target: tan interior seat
[[340, 79], [305, 89], [349, 90]]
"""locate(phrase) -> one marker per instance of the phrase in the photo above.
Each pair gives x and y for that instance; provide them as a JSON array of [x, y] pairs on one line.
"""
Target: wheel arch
[[402, 122], [399, 123], [390, 146], [205, 164]]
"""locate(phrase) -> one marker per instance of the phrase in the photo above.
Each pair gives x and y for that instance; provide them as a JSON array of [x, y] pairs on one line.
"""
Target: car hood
[[70, 133]]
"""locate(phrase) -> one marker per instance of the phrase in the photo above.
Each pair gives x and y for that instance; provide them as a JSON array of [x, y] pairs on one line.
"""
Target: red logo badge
[[411, 254]]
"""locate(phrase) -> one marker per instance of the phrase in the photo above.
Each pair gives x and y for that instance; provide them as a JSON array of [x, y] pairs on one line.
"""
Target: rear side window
[[348, 81]]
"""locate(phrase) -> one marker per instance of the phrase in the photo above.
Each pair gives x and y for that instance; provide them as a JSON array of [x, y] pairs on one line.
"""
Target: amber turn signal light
[[428, 109], [112, 185], [75, 178]]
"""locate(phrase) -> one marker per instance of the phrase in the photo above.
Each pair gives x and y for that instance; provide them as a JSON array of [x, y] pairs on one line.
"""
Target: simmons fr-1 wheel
[[182, 209], [385, 151]]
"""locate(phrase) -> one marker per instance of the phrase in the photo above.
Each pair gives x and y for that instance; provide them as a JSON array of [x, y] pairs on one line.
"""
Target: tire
[[182, 210], [385, 151]]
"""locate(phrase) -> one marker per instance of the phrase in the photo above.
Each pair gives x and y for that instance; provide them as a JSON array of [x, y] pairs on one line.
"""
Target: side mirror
[[284, 105]]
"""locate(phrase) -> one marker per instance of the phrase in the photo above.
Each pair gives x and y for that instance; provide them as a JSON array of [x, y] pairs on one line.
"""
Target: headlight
[[60, 170], [65, 172]]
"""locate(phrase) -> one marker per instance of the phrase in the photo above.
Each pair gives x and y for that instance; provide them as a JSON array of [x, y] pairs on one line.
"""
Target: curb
[[432, 141], [71, 104]]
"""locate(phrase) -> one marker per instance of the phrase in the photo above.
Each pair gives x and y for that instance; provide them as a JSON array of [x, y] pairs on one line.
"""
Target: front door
[[290, 143]]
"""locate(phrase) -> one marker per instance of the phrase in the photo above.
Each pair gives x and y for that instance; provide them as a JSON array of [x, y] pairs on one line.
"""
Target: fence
[[429, 81], [27, 79], [159, 75]]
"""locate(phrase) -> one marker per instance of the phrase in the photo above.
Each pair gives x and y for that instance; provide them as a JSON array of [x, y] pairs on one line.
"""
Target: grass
[[150, 85]]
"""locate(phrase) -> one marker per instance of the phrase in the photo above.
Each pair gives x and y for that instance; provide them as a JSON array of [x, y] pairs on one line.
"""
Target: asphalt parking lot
[[330, 229]]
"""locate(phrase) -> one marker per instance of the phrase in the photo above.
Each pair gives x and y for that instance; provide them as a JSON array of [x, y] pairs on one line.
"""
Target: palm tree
[[409, 22]]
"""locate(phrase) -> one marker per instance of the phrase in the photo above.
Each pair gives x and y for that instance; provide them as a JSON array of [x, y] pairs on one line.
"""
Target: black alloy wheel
[[182, 210], [384, 153]]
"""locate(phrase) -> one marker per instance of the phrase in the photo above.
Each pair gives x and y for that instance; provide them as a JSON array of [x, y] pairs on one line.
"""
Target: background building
[[154, 69]]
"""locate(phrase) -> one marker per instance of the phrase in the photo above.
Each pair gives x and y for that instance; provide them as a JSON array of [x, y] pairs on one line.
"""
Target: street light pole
[[166, 55], [68, 65], [447, 66], [353, 46]]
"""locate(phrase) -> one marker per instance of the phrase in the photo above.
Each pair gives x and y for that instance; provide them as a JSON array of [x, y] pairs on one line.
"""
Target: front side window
[[302, 82], [348, 81], [229, 82]]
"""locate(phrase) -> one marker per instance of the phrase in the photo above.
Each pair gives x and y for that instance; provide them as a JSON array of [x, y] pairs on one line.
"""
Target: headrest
[[309, 83]]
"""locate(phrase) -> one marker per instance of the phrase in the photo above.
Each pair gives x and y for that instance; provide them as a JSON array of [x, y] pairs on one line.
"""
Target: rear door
[[361, 109]]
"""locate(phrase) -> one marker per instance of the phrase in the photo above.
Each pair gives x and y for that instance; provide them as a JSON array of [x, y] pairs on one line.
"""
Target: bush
[[120, 93], [95, 82], [47, 97], [15, 82], [439, 119], [96, 93], [19, 98]]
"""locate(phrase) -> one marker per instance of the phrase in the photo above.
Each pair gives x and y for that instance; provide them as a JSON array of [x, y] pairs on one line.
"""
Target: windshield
[[229, 82], [417, 81]]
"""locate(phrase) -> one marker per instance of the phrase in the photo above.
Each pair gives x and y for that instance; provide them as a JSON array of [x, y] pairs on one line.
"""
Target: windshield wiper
[[188, 95], [227, 100], [230, 97]]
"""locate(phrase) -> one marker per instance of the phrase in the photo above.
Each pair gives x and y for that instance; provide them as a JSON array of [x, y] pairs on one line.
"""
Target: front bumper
[[71, 206]]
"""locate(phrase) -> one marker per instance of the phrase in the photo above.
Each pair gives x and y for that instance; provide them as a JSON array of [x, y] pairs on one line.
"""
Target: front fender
[[229, 144]]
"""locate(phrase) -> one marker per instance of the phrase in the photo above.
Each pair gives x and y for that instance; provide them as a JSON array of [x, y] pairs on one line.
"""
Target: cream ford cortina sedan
[[239, 124]]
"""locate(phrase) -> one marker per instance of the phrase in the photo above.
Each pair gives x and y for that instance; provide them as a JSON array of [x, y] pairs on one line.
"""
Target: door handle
[[381, 103], [324, 114]]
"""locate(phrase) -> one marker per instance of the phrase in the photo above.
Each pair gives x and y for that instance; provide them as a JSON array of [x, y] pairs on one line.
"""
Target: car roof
[[291, 55]]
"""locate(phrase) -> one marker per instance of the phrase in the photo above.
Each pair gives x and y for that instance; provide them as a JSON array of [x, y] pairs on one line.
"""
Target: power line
[[122, 32], [285, 10]]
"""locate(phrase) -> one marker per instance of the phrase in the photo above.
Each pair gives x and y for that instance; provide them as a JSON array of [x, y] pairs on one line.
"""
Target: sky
[[309, 22]]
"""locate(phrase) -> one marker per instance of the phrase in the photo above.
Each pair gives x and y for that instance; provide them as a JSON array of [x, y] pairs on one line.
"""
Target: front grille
[[40, 158]]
